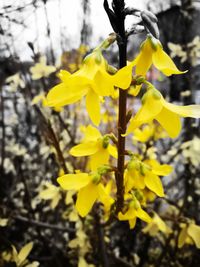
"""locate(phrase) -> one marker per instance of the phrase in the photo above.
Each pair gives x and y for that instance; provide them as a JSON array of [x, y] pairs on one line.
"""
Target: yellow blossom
[[152, 52], [89, 188], [139, 175], [154, 106], [189, 234], [134, 211], [150, 131], [156, 225], [96, 146], [92, 81], [41, 69]]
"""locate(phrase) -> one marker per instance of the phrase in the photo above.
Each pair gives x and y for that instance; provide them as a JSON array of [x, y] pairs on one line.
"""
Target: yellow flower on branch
[[156, 225], [96, 146], [92, 81], [154, 106], [90, 189], [152, 52], [41, 69], [189, 234], [134, 211], [141, 175]]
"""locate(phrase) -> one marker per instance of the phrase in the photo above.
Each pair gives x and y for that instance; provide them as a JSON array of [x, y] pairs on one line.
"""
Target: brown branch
[[43, 224]]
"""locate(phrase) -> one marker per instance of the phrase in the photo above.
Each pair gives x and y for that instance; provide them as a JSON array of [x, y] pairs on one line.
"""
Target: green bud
[[96, 178], [133, 165], [134, 203], [139, 195], [103, 169], [139, 80], [105, 142]]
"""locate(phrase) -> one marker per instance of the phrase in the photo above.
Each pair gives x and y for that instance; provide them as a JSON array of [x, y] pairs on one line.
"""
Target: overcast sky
[[65, 14]]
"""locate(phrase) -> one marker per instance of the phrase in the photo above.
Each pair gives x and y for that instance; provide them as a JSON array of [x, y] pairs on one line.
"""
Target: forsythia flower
[[146, 174], [168, 115], [156, 225], [92, 81], [96, 146], [152, 52], [41, 69], [89, 190], [151, 131], [189, 234], [134, 211]]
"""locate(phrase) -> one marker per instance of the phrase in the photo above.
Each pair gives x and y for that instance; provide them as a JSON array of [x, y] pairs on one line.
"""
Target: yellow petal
[[154, 183], [159, 169], [99, 158], [24, 252], [91, 134], [170, 121], [112, 151], [144, 59], [140, 213], [84, 149], [192, 111], [62, 94], [123, 77], [104, 197], [164, 63], [182, 237], [93, 107], [129, 215], [103, 84], [151, 107], [74, 181], [86, 199], [132, 223], [194, 233]]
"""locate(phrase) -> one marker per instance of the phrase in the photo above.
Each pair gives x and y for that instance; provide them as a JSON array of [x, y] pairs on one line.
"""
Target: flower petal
[[99, 158], [84, 149], [182, 237], [164, 63], [123, 77], [129, 215], [132, 222], [61, 95], [170, 121], [144, 59], [154, 183], [194, 233], [74, 181], [86, 198], [140, 213], [192, 111], [148, 111], [93, 107], [103, 84]]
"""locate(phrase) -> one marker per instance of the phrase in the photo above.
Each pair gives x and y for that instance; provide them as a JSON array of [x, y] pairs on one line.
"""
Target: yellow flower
[[52, 193], [156, 225], [149, 131], [168, 115], [92, 81], [89, 190], [189, 234], [96, 146], [41, 69], [141, 175], [152, 53], [134, 211]]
